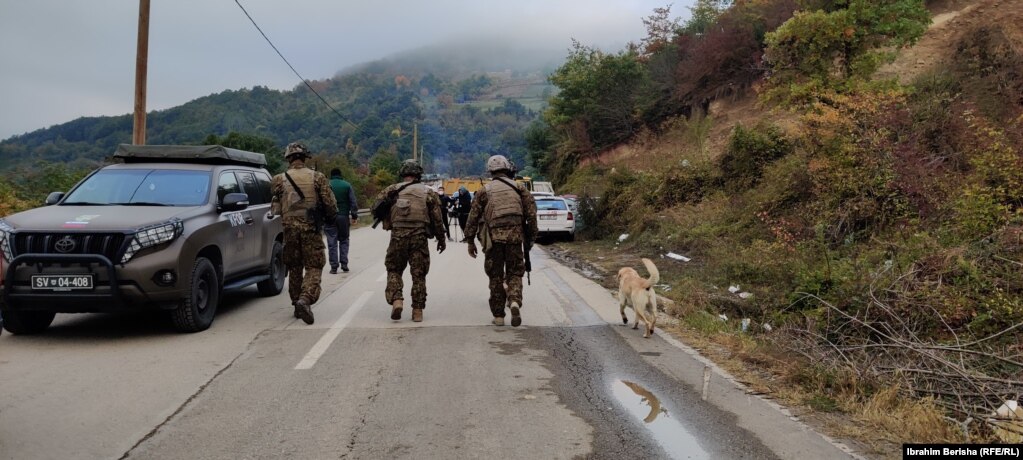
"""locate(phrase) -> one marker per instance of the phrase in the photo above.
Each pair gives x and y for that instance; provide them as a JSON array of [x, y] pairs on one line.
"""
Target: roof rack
[[205, 154]]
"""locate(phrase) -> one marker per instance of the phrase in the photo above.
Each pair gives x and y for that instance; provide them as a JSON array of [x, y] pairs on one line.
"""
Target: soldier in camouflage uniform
[[295, 192], [414, 217], [503, 215]]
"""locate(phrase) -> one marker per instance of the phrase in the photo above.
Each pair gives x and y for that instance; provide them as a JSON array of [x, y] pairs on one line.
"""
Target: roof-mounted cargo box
[[205, 154]]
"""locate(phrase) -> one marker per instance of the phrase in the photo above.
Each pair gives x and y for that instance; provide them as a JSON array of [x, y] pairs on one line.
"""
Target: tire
[[196, 311], [570, 236], [275, 284], [26, 322]]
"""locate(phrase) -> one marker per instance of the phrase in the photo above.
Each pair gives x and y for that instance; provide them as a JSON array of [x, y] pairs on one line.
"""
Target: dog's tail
[[655, 276]]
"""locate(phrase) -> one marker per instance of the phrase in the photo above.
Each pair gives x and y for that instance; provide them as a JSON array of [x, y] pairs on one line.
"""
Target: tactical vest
[[293, 205], [504, 205], [409, 210]]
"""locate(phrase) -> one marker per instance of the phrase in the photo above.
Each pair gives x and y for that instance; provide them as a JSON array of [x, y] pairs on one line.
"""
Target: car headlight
[[153, 235], [6, 246]]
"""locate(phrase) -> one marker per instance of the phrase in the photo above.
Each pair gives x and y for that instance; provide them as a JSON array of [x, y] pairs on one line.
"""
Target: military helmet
[[296, 148], [410, 168], [498, 163]]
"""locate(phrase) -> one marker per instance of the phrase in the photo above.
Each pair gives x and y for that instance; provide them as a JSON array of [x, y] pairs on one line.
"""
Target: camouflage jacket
[[508, 234], [436, 223], [326, 196]]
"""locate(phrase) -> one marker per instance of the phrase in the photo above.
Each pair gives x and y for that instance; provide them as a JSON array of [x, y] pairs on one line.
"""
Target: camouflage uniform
[[303, 242], [408, 246], [504, 261]]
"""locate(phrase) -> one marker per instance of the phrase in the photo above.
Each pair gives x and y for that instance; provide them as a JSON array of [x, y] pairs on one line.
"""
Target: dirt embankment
[[952, 20]]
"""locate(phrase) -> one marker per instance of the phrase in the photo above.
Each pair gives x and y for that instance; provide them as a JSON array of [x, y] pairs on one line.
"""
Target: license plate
[[61, 282], [551, 217]]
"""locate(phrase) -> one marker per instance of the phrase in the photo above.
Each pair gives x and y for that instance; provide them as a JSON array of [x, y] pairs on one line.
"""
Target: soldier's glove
[[441, 245], [472, 249]]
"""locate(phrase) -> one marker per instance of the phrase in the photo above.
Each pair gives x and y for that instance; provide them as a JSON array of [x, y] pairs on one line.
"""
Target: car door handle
[[248, 220]]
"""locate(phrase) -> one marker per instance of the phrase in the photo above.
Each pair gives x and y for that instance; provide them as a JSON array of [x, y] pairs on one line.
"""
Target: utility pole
[[415, 139], [138, 135]]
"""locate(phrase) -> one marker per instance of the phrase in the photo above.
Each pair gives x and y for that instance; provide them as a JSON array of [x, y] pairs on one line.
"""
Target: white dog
[[639, 294]]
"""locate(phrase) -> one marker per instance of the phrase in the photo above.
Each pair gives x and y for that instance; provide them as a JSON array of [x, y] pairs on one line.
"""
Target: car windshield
[[142, 187], [550, 205]]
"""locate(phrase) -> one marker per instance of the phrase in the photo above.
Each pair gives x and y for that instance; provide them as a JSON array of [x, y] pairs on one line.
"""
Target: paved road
[[570, 382]]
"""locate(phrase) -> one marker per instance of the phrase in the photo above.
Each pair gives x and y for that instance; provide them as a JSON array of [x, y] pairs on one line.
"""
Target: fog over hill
[[469, 100]]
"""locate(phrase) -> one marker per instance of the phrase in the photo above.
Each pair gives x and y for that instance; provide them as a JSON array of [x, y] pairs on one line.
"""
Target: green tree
[[846, 40], [598, 92], [704, 14]]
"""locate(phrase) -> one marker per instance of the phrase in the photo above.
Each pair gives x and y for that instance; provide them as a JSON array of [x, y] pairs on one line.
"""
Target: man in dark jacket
[[337, 231], [463, 204], [445, 203]]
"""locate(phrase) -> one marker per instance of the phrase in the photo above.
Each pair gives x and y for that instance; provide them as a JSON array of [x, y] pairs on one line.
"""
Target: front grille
[[106, 244]]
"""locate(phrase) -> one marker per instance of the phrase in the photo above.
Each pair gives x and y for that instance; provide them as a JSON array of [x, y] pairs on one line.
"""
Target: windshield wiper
[[83, 203], [141, 203]]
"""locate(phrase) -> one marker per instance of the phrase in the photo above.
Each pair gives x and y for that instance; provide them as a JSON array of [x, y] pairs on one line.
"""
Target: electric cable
[[306, 82]]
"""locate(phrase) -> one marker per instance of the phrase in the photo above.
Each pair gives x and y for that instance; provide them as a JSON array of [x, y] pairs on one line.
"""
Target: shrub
[[749, 151]]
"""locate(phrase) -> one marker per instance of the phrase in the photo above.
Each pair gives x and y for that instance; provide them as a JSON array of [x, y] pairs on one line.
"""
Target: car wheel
[[26, 322], [195, 313], [275, 284], [570, 236]]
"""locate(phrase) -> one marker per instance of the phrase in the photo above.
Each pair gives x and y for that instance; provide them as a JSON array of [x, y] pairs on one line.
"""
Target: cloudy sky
[[63, 59]]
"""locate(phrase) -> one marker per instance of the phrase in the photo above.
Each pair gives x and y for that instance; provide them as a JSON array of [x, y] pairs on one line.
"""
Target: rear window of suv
[[142, 187], [550, 205]]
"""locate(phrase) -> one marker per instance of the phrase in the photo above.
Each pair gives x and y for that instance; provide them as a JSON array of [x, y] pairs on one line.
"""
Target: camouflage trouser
[[303, 251], [505, 266], [413, 251]]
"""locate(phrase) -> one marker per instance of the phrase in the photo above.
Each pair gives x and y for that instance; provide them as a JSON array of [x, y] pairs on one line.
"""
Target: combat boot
[[417, 315], [303, 311], [294, 303], [516, 319], [396, 309], [498, 321]]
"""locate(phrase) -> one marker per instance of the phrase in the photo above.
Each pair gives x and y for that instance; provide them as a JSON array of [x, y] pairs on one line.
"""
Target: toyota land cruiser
[[168, 227]]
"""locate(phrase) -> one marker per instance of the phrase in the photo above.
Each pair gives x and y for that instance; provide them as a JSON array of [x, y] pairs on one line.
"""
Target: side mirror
[[234, 202], [54, 198]]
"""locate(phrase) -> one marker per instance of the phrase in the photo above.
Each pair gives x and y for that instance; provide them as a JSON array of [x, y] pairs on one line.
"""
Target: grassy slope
[[767, 237]]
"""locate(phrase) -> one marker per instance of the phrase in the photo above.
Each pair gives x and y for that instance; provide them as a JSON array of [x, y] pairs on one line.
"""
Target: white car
[[553, 217]]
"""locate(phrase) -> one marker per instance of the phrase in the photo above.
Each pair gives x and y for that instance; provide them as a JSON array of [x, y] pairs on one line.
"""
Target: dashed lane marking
[[323, 344]]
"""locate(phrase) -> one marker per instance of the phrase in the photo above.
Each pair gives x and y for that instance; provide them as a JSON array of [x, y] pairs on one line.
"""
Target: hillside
[[465, 110], [873, 228]]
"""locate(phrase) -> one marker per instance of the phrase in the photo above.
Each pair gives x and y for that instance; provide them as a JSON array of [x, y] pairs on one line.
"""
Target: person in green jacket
[[338, 231]]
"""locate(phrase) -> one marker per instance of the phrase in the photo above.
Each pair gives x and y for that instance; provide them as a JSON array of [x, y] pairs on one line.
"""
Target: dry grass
[[917, 419]]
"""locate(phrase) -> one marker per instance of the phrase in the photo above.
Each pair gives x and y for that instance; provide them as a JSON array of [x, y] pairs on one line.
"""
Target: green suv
[[168, 227]]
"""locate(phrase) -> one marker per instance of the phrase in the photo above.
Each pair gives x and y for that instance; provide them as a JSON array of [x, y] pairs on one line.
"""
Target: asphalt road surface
[[570, 382]]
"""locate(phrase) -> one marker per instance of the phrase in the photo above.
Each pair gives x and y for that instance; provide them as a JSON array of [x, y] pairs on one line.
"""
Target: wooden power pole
[[415, 139], [138, 135]]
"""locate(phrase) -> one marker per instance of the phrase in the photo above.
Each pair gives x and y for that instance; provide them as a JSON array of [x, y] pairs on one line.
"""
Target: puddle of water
[[668, 432]]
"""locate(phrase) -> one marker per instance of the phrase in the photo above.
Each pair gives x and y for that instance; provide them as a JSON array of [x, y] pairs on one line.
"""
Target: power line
[[306, 82]]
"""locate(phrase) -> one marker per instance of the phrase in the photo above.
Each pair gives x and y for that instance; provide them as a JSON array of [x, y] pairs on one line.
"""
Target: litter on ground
[[678, 257], [745, 295], [623, 237], [733, 288]]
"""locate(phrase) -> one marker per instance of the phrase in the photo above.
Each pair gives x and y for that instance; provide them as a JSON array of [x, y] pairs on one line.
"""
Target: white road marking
[[382, 278], [321, 346]]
